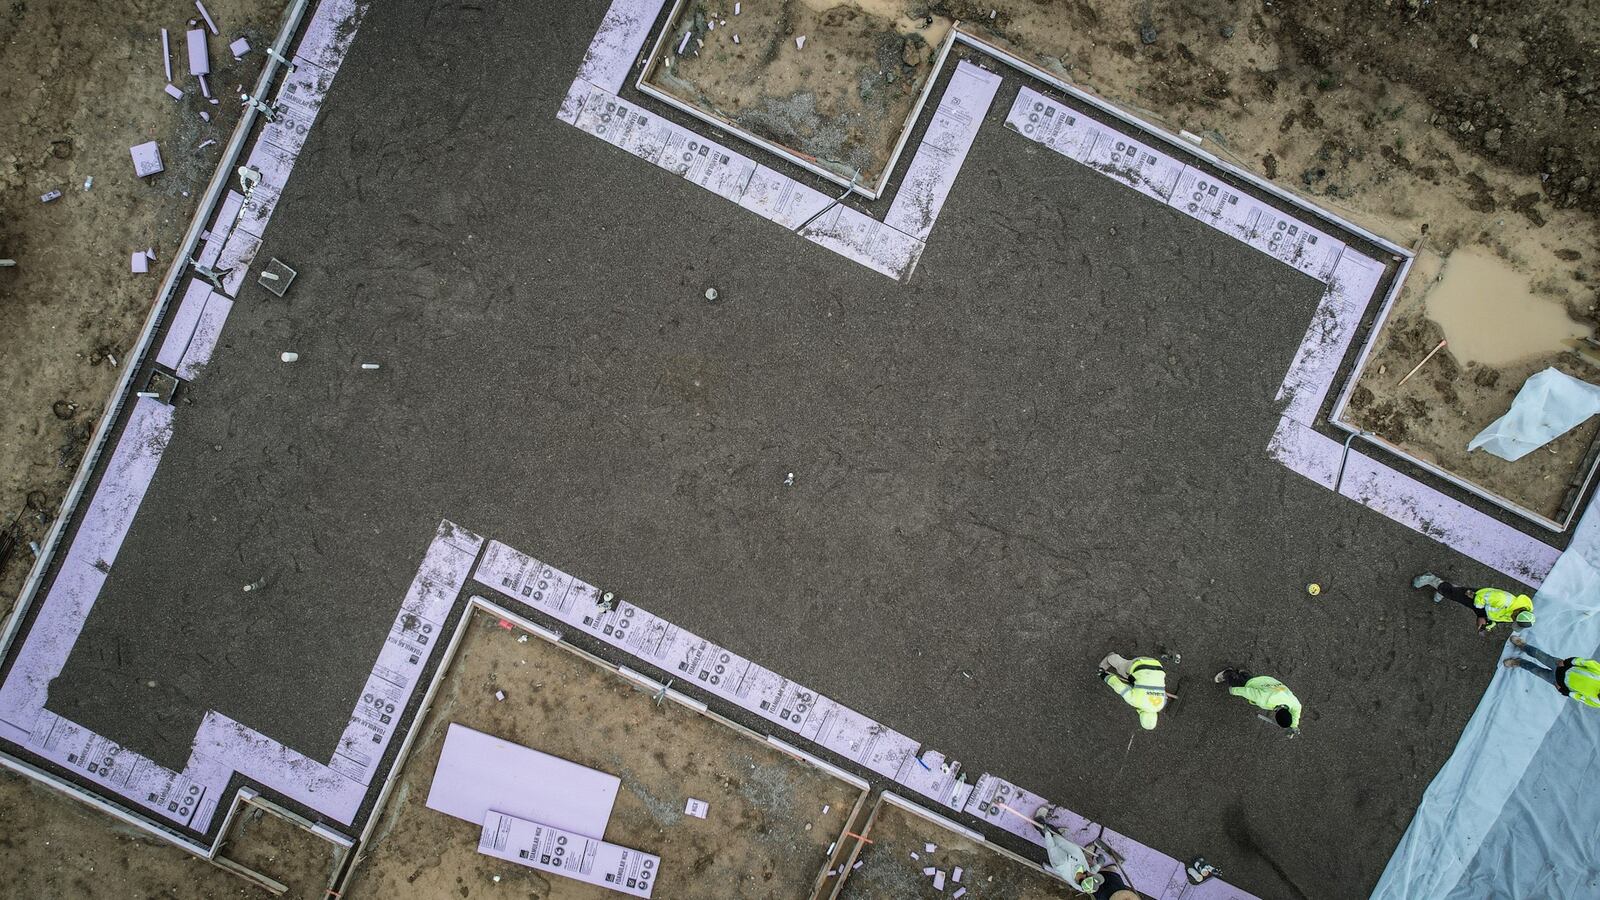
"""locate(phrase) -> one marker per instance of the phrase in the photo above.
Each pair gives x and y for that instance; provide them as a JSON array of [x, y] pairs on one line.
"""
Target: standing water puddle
[[1491, 315]]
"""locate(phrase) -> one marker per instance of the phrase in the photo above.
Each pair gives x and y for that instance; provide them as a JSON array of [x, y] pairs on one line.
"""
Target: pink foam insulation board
[[207, 333], [579, 857], [479, 773], [944, 147], [183, 324], [199, 58], [146, 159]]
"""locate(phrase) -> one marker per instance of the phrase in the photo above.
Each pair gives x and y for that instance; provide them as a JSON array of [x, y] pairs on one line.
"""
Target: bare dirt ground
[[52, 847], [265, 842], [1438, 410], [889, 869], [1423, 119], [80, 83], [767, 833], [842, 97]]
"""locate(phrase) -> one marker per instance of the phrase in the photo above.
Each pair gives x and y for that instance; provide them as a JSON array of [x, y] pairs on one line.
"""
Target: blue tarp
[[1515, 812]]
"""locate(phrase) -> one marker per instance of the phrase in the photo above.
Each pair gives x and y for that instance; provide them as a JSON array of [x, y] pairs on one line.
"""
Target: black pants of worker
[[1112, 883], [1459, 594], [1233, 678]]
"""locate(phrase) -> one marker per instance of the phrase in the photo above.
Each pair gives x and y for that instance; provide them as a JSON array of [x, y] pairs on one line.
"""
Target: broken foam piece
[[239, 48], [205, 15], [199, 58], [146, 159]]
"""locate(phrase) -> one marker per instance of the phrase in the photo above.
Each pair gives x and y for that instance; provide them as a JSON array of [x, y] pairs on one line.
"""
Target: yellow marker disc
[[1313, 589]]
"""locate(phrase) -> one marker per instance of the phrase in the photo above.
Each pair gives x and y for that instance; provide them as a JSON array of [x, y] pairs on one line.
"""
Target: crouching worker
[[1141, 683], [1492, 606]]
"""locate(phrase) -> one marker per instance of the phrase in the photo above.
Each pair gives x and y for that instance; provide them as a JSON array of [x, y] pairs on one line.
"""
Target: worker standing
[[1141, 683], [1265, 692], [1574, 676], [1492, 606]]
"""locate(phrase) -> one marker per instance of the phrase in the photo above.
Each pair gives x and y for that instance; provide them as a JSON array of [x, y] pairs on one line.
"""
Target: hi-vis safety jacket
[[1269, 693], [1501, 606], [1147, 692], [1583, 681]]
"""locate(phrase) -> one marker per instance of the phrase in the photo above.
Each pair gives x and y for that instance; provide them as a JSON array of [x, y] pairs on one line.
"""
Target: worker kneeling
[[1140, 682]]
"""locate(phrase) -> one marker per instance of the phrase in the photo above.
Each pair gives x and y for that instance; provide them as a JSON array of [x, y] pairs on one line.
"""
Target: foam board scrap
[[479, 772], [205, 15], [560, 852], [146, 159], [199, 56]]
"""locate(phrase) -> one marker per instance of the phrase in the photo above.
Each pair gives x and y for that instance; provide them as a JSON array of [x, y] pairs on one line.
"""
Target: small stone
[[1148, 33], [712, 295], [1491, 139], [1226, 31], [1580, 185]]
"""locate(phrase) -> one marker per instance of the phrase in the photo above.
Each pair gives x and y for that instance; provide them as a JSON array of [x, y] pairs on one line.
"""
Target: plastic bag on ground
[[1550, 404]]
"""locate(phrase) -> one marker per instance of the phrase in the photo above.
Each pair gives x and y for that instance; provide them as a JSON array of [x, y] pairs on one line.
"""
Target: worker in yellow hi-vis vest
[[1574, 676], [1141, 683], [1267, 693], [1492, 606]]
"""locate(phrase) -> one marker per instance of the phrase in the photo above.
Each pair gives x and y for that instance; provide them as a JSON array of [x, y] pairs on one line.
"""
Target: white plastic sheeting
[[1513, 811], [1550, 404]]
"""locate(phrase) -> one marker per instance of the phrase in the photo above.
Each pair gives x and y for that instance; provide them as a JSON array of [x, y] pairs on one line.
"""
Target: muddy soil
[[767, 832], [52, 847], [268, 843], [1438, 410], [888, 868], [842, 98]]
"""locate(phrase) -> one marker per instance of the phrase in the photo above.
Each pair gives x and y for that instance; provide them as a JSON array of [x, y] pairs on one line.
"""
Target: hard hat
[[1525, 617]]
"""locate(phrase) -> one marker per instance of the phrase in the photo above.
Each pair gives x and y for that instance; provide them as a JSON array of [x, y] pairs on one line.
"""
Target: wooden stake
[[1423, 363]]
